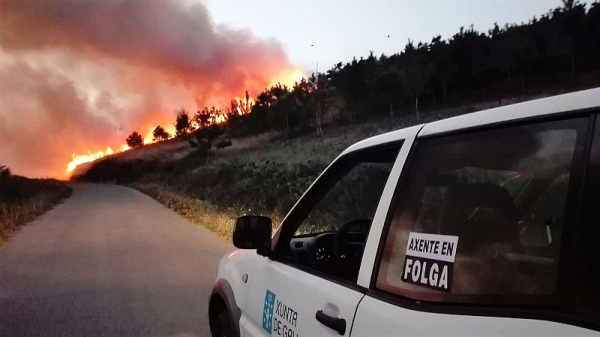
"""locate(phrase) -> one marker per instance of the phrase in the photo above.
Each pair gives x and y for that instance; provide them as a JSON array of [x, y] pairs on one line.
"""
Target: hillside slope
[[264, 174]]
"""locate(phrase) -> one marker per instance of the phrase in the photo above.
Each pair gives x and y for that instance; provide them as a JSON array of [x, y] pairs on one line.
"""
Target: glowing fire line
[[292, 77], [86, 158], [79, 159]]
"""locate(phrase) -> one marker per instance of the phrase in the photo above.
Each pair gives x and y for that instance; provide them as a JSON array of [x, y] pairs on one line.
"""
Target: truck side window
[[328, 229], [480, 215]]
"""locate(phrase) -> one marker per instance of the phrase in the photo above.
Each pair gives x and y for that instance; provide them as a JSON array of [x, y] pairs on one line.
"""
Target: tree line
[[560, 49]]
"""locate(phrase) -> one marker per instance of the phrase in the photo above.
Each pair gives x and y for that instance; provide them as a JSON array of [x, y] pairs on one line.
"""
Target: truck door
[[308, 286], [477, 233]]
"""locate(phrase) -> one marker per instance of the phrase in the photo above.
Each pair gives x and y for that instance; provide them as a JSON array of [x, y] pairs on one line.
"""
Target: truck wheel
[[220, 326]]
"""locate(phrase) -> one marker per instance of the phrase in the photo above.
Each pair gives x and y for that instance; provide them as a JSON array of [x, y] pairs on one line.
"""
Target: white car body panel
[[388, 137], [232, 268], [305, 293], [326, 295], [370, 252], [376, 318], [579, 100], [367, 316], [369, 142]]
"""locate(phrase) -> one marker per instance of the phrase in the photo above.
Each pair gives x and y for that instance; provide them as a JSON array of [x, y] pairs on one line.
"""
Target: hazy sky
[[98, 70], [341, 29]]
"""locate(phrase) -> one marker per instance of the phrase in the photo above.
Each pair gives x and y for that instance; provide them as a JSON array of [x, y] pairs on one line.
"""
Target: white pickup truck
[[487, 224]]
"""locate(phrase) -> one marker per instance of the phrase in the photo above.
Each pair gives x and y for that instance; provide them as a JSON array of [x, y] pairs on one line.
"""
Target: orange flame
[[288, 78], [87, 158], [92, 156]]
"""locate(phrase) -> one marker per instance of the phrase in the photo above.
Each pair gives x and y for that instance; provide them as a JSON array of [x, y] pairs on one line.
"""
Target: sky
[[332, 31], [78, 76]]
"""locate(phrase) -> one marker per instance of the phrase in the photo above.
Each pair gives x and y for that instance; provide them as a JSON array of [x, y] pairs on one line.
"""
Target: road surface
[[109, 261]]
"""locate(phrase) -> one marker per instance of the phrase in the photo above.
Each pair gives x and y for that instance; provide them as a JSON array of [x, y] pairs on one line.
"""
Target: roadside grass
[[199, 212], [261, 174], [264, 174], [22, 200], [307, 147]]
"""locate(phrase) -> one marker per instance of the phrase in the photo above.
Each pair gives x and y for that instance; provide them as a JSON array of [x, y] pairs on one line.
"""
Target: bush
[[4, 172], [159, 134], [135, 139], [183, 123]]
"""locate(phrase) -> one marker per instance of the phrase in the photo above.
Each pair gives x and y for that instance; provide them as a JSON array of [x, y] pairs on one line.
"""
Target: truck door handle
[[337, 324]]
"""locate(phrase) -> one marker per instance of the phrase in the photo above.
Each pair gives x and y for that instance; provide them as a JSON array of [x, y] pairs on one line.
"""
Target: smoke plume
[[80, 75]]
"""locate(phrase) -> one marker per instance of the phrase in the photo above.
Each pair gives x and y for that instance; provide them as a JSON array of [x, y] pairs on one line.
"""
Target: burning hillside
[[84, 74]]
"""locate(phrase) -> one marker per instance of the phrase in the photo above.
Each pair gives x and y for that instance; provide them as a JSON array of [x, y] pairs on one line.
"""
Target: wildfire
[[289, 78], [87, 158], [243, 106], [78, 159]]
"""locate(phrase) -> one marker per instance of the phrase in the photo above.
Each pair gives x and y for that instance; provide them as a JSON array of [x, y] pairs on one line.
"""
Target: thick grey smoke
[[80, 75]]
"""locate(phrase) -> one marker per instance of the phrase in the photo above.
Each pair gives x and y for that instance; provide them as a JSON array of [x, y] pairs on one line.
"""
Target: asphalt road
[[109, 261]]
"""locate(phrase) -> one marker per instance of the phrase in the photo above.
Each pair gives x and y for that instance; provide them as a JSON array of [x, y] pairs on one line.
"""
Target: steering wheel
[[340, 236]]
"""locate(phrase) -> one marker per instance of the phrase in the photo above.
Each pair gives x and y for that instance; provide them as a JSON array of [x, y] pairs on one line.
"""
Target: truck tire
[[220, 326]]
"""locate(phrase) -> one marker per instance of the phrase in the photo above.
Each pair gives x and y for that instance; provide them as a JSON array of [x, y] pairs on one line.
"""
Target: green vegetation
[[22, 200], [256, 175], [558, 51], [271, 148]]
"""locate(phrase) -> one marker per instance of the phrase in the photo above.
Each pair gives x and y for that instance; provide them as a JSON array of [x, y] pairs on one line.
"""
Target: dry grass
[[261, 174], [257, 175], [199, 212], [22, 200]]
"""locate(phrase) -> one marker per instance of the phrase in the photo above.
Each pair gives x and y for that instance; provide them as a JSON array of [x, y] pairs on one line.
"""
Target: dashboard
[[318, 251]]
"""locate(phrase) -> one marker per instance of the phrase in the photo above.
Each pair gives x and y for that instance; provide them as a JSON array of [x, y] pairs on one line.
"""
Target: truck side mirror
[[253, 232]]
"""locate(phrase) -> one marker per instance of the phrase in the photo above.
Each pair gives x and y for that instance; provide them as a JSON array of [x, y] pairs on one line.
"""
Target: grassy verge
[[197, 211], [22, 200], [263, 174], [257, 175]]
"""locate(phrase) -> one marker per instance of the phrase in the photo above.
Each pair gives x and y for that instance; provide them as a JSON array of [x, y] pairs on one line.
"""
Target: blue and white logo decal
[[268, 311]]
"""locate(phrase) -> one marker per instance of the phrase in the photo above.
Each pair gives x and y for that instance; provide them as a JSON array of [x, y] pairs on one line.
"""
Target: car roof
[[571, 102]]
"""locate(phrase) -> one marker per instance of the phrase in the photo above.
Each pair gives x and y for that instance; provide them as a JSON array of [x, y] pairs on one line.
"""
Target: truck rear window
[[480, 217]]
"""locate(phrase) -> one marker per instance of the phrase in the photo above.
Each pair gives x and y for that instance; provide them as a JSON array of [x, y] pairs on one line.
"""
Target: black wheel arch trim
[[223, 289]]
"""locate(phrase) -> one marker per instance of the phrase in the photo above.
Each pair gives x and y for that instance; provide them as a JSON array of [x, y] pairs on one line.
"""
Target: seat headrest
[[479, 195], [495, 221]]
